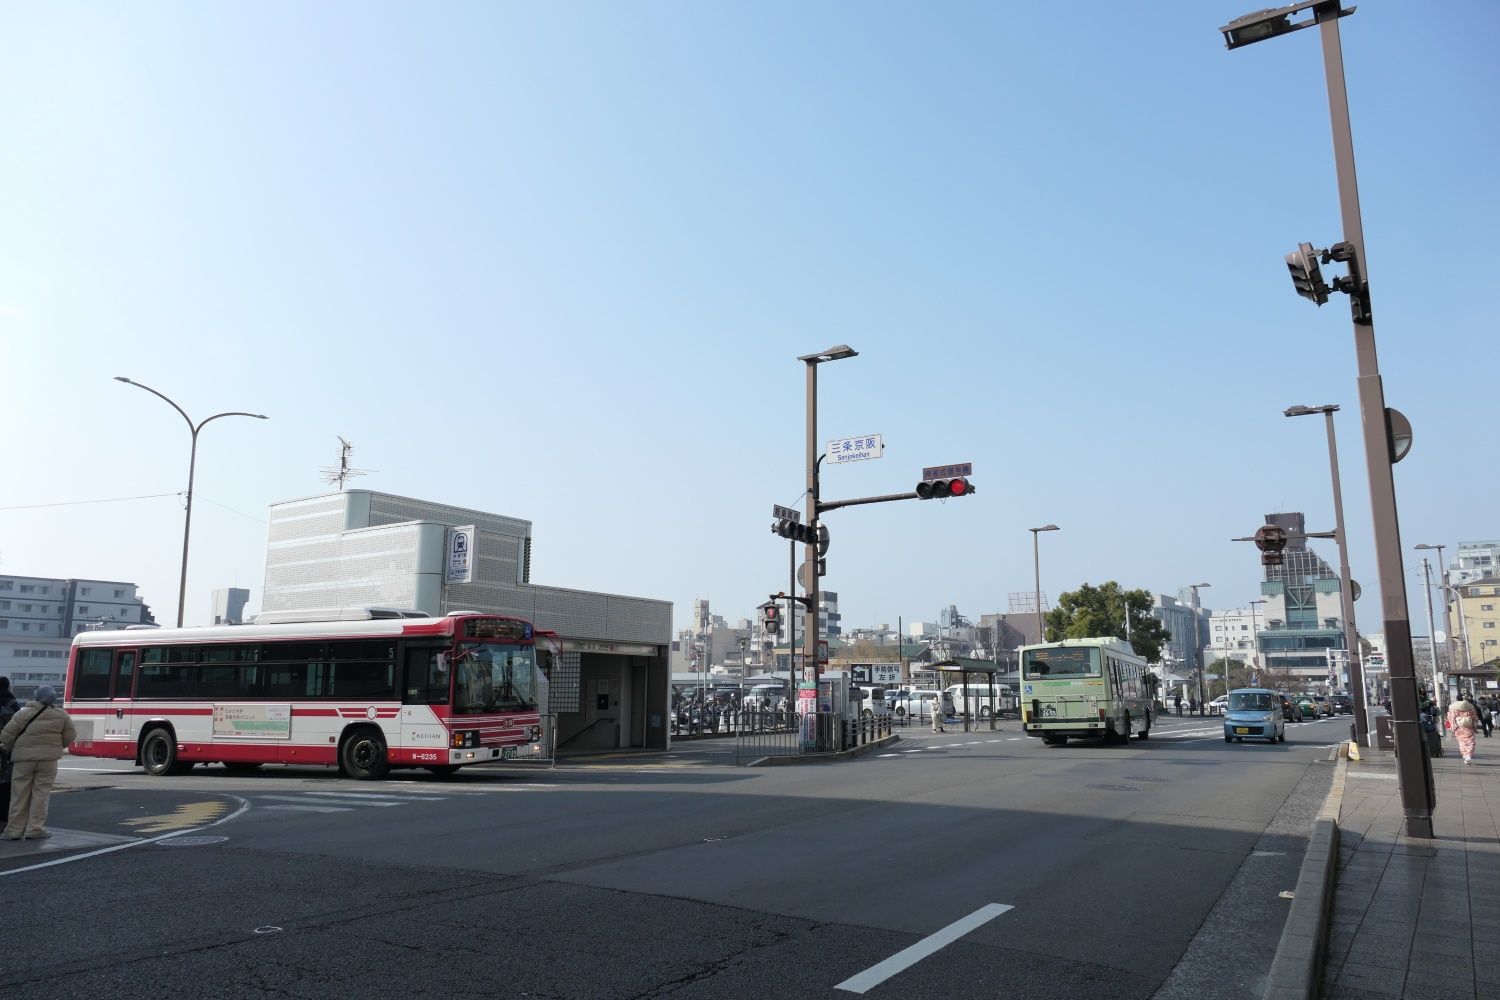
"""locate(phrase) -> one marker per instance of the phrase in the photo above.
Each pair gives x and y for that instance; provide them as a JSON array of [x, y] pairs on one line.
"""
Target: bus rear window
[[93, 673], [1063, 662]]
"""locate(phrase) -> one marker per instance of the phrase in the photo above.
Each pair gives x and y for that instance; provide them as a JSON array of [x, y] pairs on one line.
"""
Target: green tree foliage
[[1091, 612]]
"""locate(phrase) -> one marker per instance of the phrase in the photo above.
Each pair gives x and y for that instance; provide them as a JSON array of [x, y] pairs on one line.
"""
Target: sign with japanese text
[[786, 513], [272, 722], [856, 449], [959, 471], [460, 550]]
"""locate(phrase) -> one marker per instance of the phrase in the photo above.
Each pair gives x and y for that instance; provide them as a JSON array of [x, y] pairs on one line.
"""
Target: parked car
[[868, 701], [977, 696], [1254, 714], [1343, 704]]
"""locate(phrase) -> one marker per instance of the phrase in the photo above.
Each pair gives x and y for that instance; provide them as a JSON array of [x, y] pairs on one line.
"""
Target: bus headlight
[[465, 738]]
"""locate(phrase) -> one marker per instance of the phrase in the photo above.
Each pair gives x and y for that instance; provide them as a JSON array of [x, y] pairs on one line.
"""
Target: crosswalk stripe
[[312, 809], [317, 800]]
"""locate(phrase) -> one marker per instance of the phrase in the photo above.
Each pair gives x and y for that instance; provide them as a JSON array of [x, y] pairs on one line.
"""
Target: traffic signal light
[[770, 616], [942, 489], [795, 530], [1306, 277]]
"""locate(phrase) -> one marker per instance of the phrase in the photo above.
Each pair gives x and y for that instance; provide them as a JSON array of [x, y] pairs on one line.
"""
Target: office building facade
[[39, 615]]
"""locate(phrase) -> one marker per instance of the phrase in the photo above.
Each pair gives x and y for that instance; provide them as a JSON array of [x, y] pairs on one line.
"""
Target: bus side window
[[425, 678]]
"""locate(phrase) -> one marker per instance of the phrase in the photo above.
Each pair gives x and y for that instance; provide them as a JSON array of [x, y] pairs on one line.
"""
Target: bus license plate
[[1241, 729], [507, 751]]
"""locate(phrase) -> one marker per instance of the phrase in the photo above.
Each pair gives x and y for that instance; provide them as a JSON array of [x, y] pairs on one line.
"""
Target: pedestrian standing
[[1486, 717], [940, 706], [35, 738], [1463, 719], [1177, 703], [8, 709]]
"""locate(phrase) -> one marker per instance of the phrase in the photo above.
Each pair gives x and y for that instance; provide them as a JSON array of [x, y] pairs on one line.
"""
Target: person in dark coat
[[8, 709]]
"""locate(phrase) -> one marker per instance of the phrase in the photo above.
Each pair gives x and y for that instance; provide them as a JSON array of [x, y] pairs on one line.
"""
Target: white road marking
[[906, 958], [348, 795], [310, 809], [244, 804], [890, 755], [319, 800]]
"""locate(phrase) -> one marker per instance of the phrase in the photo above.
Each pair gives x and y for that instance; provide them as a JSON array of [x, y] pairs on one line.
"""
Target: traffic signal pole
[[810, 563]]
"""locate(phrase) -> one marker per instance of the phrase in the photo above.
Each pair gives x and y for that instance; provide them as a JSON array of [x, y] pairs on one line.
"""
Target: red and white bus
[[371, 690]]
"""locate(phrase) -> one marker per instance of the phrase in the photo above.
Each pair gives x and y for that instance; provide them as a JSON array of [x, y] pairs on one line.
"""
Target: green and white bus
[[1086, 689]]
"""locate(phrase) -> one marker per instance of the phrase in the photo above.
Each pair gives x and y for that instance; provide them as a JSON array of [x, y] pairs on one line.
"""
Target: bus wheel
[[444, 770], [362, 755], [1054, 741], [159, 752]]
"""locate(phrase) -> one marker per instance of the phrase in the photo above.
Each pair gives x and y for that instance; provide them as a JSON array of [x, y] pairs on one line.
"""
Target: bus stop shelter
[[972, 672]]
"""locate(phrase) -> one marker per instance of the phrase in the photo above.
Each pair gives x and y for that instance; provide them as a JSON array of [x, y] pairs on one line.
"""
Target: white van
[[976, 698], [917, 704], [867, 701]]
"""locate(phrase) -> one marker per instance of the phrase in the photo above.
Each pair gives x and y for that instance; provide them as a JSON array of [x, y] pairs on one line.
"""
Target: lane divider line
[[244, 805], [907, 957]]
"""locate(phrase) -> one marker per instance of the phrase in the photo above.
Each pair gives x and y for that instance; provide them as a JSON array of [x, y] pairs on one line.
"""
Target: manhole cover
[[191, 841], [1115, 788]]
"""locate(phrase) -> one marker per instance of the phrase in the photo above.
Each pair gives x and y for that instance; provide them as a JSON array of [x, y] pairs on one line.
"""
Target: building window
[[23, 652], [84, 591], [119, 594], [4, 605], [83, 609], [25, 607], [4, 623], [27, 588], [1486, 607], [6, 584], [1489, 624], [26, 626]]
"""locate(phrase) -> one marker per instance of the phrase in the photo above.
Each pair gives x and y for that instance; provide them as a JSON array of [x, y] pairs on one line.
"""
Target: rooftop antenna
[[342, 472]]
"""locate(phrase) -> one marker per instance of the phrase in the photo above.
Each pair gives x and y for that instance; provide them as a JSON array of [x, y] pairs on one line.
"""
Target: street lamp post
[[1439, 688], [1418, 795], [1036, 567], [1447, 593], [1255, 638], [187, 521], [1198, 645], [810, 563], [1346, 585]]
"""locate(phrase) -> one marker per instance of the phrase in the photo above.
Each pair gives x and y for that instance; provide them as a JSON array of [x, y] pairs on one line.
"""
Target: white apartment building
[[39, 615], [1231, 635]]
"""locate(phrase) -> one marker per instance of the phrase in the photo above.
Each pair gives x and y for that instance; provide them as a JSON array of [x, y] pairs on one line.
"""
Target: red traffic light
[[943, 489], [772, 612]]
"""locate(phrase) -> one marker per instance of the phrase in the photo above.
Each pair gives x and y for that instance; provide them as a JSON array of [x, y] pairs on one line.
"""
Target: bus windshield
[[1063, 661], [491, 677]]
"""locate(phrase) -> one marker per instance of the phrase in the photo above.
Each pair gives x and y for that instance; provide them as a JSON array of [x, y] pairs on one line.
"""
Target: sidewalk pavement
[[1416, 917]]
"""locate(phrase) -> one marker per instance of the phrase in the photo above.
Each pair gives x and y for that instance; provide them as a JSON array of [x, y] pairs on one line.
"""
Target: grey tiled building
[[360, 548]]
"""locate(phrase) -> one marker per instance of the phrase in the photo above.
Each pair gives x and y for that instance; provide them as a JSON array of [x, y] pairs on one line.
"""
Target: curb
[[823, 758], [1298, 966]]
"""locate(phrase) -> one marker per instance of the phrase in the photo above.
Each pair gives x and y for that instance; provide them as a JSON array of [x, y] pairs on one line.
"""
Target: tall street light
[[1255, 638], [1446, 591], [1036, 566], [187, 521], [1197, 644], [1418, 795], [810, 565], [1346, 585], [1439, 688]]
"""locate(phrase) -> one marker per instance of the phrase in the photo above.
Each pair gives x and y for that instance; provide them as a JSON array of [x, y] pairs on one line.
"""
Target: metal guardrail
[[789, 734]]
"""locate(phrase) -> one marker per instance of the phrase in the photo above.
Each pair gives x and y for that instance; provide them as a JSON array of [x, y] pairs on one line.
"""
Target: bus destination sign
[[496, 628]]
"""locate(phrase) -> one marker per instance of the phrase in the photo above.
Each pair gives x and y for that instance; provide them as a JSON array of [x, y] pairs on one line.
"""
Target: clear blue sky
[[557, 261]]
